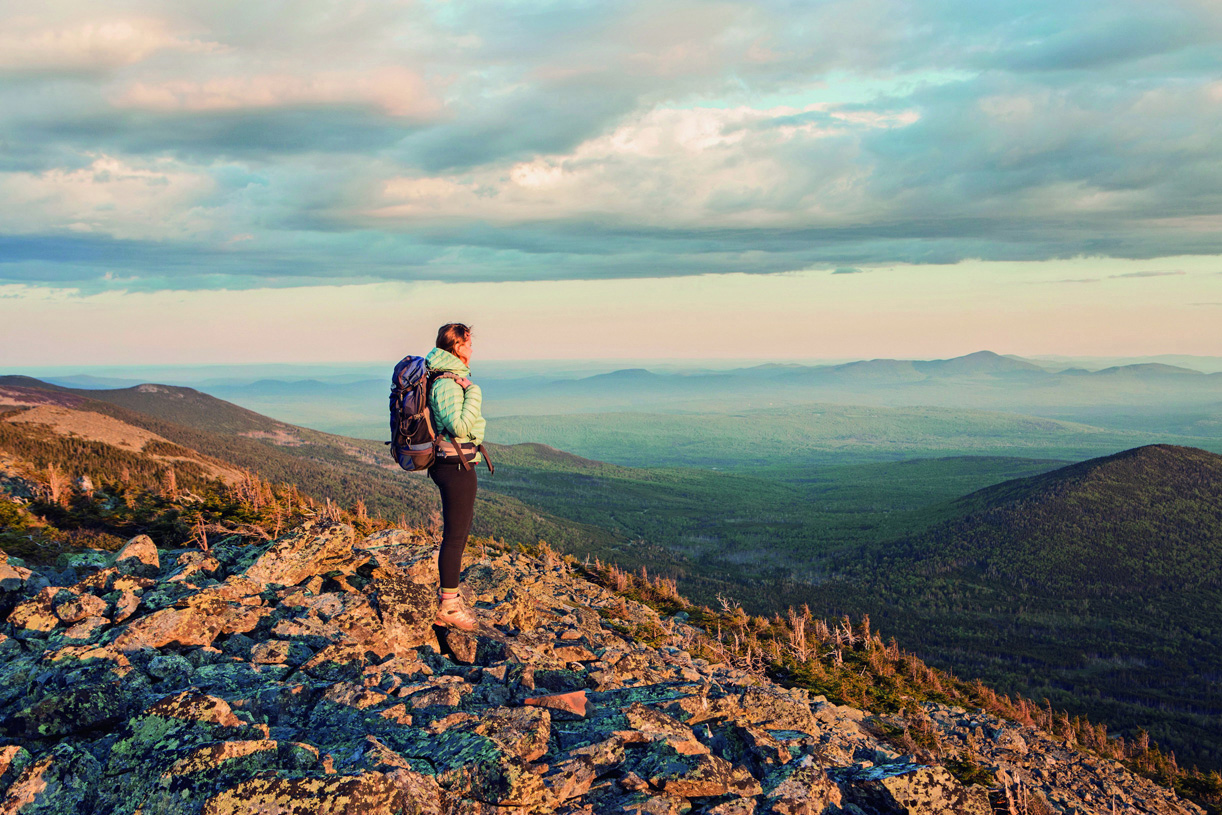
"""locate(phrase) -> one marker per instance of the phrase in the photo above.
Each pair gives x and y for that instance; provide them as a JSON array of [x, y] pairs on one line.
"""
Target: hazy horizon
[[498, 368]]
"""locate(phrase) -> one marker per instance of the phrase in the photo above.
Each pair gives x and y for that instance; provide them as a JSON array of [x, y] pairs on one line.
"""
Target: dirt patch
[[27, 397], [281, 437], [96, 427], [86, 425]]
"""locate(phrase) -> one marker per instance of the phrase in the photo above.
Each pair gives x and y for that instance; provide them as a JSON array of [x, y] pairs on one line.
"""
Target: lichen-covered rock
[[78, 608], [13, 759], [62, 713], [61, 782], [218, 688], [803, 788], [915, 790], [341, 795], [170, 626], [574, 703], [139, 557], [297, 557], [522, 731], [405, 610], [13, 575], [37, 614], [190, 565]]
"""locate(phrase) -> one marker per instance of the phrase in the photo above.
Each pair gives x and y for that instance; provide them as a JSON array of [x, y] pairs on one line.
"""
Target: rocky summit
[[304, 675]]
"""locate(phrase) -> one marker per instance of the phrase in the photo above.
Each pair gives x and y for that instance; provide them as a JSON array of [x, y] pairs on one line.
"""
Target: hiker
[[454, 402]]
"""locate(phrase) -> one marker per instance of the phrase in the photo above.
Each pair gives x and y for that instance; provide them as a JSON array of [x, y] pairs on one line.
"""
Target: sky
[[327, 181]]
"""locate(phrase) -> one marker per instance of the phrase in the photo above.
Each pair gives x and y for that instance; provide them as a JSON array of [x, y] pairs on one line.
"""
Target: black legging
[[457, 487]]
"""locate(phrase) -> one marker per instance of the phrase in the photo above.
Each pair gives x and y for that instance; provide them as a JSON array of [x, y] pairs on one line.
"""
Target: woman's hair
[[452, 335]]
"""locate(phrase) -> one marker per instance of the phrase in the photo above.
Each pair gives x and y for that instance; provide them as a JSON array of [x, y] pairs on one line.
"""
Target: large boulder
[[362, 794], [139, 557], [913, 789], [297, 557]]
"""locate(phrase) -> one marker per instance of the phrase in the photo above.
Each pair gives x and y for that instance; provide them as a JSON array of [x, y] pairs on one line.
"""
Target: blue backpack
[[412, 439]]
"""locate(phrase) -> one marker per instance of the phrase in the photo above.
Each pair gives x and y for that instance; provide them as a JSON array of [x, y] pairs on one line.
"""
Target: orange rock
[[574, 702]]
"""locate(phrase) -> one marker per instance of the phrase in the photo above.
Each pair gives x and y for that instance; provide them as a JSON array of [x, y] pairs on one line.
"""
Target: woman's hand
[[463, 382]]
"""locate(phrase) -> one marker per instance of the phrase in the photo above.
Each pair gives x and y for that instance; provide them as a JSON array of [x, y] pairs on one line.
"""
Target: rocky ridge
[[304, 675]]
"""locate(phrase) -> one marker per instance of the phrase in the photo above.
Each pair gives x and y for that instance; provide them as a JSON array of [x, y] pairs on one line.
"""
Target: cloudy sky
[[295, 181]]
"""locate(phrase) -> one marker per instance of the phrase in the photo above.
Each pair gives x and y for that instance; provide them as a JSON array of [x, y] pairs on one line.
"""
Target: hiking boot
[[453, 614]]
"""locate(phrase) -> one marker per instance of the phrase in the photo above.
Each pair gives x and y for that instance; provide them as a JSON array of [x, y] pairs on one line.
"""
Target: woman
[[454, 402]]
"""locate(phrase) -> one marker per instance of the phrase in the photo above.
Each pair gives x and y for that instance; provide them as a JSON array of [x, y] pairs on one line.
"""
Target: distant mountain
[[1105, 574], [981, 362], [1178, 404], [1152, 369], [91, 382]]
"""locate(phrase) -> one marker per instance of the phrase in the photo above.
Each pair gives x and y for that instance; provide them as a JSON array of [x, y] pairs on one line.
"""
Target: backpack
[[412, 440]]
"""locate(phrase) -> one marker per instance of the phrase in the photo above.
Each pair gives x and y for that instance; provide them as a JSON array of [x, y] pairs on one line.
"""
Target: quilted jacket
[[454, 410]]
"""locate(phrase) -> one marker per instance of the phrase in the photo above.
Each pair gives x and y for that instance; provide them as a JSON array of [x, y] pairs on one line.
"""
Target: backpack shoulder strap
[[433, 376]]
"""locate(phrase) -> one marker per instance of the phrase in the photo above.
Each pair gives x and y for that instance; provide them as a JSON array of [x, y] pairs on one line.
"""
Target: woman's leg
[[457, 486]]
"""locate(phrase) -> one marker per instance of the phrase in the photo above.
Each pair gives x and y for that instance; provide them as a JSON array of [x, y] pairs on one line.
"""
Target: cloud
[[520, 142], [1147, 274], [27, 46], [393, 90], [848, 270]]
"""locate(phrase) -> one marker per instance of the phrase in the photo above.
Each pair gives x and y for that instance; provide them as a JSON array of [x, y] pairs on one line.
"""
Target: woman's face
[[463, 351]]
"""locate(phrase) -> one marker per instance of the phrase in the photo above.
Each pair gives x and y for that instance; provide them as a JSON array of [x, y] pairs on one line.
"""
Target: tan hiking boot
[[453, 613]]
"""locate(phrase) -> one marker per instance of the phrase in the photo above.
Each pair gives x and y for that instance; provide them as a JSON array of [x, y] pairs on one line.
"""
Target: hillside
[[1098, 585], [299, 672], [325, 467]]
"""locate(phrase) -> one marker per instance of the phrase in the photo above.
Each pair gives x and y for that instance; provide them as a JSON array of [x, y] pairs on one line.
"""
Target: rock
[[297, 557], [87, 628], [62, 782], [13, 759], [405, 610], [522, 731], [1008, 739], [344, 700], [172, 669], [915, 790], [125, 606], [341, 795], [421, 793], [697, 776], [13, 575], [574, 703], [803, 789], [484, 647], [84, 560], [278, 652], [78, 608], [139, 557], [36, 615], [77, 709], [190, 564], [184, 627]]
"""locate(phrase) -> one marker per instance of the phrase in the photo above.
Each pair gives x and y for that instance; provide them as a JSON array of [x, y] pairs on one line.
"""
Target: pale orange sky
[[1090, 307]]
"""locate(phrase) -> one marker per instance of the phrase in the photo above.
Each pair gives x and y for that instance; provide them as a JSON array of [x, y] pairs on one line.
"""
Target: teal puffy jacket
[[455, 411]]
